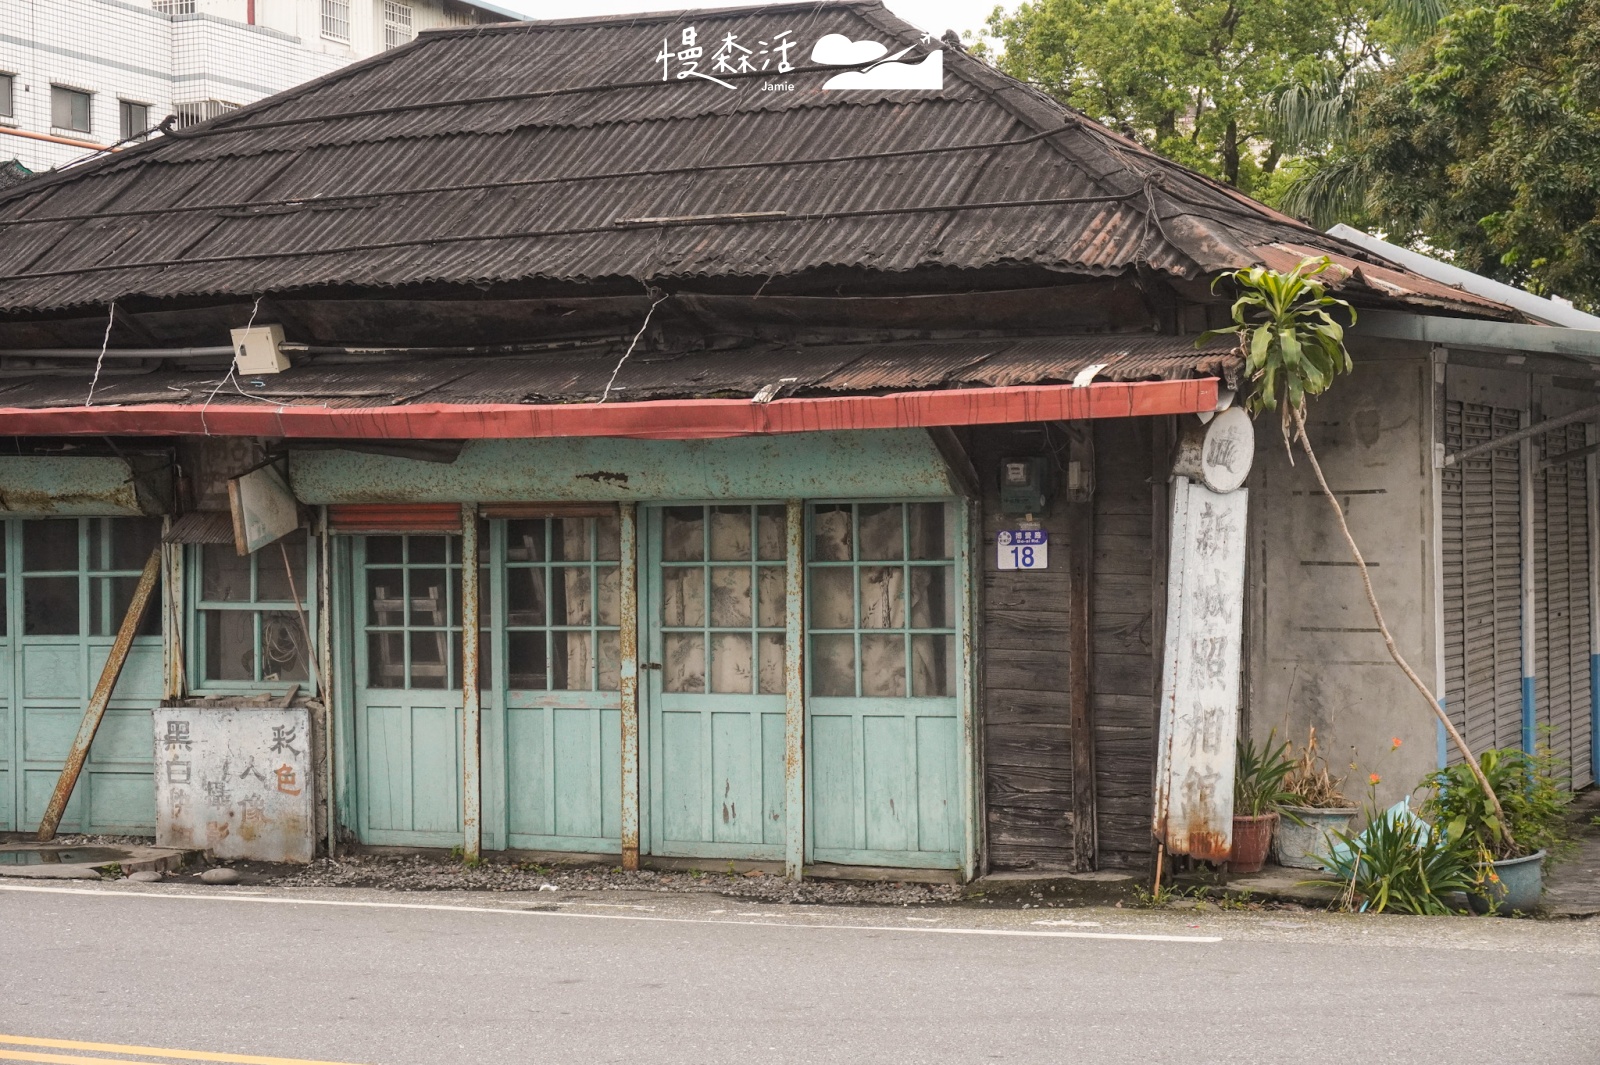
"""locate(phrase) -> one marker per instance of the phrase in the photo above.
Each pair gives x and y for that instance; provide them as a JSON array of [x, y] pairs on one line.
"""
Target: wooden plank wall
[[1026, 718]]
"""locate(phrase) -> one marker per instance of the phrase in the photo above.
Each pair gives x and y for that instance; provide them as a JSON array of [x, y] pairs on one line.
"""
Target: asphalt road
[[388, 979]]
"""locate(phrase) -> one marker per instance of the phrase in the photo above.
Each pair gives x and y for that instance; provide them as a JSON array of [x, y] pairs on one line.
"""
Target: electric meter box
[[1024, 485]]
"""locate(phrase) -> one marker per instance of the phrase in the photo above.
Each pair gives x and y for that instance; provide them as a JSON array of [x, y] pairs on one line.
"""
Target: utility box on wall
[[235, 782]]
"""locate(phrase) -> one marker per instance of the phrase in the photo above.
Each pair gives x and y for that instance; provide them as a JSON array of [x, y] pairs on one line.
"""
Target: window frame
[[8, 96], [195, 627], [335, 14], [70, 92], [392, 12], [125, 128]]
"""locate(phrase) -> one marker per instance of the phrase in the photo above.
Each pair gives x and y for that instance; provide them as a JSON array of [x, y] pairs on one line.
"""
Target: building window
[[135, 120], [7, 106], [396, 24], [248, 628], [336, 19], [175, 7], [196, 111], [69, 109]]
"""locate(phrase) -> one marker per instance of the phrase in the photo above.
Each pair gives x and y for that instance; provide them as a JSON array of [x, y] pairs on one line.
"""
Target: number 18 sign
[[1024, 548]]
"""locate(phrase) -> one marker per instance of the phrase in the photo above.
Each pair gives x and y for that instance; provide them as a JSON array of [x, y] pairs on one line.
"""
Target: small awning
[[683, 419]]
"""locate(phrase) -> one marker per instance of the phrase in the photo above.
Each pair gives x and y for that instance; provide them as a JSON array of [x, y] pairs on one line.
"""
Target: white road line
[[1143, 937]]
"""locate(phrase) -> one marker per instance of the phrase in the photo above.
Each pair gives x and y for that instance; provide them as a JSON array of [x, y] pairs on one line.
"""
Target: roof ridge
[[640, 18]]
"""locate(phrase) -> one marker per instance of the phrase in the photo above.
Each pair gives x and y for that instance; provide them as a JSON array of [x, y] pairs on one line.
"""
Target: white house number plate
[[1023, 548]]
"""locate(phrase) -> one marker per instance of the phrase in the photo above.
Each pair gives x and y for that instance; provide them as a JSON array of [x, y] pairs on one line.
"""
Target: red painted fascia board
[[683, 419]]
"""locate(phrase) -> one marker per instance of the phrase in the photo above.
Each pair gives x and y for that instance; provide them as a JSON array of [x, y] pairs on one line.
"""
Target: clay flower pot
[[1252, 839]]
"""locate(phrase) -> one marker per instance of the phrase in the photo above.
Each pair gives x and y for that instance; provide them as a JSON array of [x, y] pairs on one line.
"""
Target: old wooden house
[[655, 392]]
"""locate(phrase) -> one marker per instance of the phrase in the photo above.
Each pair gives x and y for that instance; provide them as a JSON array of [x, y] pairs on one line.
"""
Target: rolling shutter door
[[1561, 590]]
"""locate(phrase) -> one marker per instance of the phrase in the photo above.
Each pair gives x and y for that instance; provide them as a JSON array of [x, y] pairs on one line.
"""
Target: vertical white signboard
[[1200, 672]]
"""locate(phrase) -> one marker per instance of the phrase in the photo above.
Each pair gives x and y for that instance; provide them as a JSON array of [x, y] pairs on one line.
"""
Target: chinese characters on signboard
[[235, 782], [1023, 548]]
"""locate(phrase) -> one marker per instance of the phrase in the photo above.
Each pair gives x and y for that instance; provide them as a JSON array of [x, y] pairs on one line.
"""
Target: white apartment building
[[78, 76]]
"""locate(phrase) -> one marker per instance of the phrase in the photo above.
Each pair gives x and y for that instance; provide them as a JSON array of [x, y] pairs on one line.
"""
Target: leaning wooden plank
[[101, 698]]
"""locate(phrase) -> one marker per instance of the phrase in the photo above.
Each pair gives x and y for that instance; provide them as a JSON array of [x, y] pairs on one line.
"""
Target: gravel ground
[[416, 873]]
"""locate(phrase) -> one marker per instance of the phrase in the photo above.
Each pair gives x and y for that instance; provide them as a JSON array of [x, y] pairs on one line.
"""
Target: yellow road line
[[118, 1048]]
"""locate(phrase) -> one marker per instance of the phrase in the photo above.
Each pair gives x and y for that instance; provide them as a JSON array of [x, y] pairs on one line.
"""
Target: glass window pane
[[771, 655], [683, 595], [429, 548], [4, 629], [610, 661], [525, 660], [426, 596], [122, 543], [386, 659], [609, 595], [731, 662], [608, 538], [51, 544], [525, 540], [881, 535], [883, 665], [833, 665], [224, 575], [833, 595], [933, 665], [108, 602], [683, 534], [569, 538], [525, 596], [831, 538], [570, 597], [386, 597], [730, 596], [771, 597], [283, 646], [429, 661], [883, 600], [571, 661], [231, 644], [387, 550], [684, 662], [272, 580], [50, 606], [933, 530], [933, 597], [730, 533], [772, 537]]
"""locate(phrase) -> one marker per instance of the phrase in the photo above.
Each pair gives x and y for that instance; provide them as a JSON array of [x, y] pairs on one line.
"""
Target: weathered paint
[[1438, 362], [471, 701], [236, 782], [101, 697], [794, 680], [172, 628], [1200, 683], [341, 624], [66, 487], [969, 638], [1530, 622], [1592, 468], [324, 611], [694, 419], [811, 465], [628, 682]]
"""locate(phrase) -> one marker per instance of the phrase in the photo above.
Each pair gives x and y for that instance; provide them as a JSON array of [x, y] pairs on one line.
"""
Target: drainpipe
[[1529, 622], [1439, 358], [1592, 468]]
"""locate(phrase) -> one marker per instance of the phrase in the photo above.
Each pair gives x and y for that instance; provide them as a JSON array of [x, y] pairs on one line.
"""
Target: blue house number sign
[[1023, 548]]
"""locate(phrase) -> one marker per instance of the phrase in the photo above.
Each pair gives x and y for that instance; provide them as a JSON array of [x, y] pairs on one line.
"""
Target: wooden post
[[794, 688], [101, 698], [471, 706], [628, 684], [1080, 622]]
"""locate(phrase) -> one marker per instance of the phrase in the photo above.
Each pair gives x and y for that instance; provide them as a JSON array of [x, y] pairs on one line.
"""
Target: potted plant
[[1258, 795], [1316, 814], [1511, 853]]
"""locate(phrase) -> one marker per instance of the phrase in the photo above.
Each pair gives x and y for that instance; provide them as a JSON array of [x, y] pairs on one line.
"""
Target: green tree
[[1485, 141], [1195, 80]]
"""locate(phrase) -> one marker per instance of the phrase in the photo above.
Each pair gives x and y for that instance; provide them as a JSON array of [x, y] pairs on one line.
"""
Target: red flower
[[1375, 779], [1395, 742]]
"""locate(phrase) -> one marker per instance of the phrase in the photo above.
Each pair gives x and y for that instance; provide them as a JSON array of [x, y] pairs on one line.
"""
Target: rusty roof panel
[[511, 152]]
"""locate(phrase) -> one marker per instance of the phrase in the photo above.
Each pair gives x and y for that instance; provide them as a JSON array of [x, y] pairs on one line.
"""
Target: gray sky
[[935, 16]]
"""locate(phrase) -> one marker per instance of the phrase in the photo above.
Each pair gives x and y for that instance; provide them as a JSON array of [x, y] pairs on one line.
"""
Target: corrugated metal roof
[[582, 376], [511, 152]]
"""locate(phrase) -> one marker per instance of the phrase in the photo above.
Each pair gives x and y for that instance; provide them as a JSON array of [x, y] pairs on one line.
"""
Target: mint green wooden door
[[714, 681], [552, 751], [883, 731], [407, 620], [65, 584]]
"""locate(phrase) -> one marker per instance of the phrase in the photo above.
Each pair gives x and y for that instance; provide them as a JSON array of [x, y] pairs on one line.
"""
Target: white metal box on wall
[[236, 782]]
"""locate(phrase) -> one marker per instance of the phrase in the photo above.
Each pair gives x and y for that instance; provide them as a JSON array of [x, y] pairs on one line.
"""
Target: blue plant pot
[[1520, 886]]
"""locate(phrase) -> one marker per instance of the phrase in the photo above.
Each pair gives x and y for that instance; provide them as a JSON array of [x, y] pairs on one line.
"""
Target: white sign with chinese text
[[1023, 548], [1199, 719], [235, 782]]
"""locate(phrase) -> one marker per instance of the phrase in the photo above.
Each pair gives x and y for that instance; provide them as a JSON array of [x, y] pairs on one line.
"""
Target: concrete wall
[[1314, 654]]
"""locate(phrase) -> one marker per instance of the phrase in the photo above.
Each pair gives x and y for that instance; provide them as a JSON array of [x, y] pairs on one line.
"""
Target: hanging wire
[[226, 377], [642, 327], [105, 342]]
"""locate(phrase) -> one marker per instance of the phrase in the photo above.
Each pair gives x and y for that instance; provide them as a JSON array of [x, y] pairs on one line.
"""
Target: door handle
[[649, 665]]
